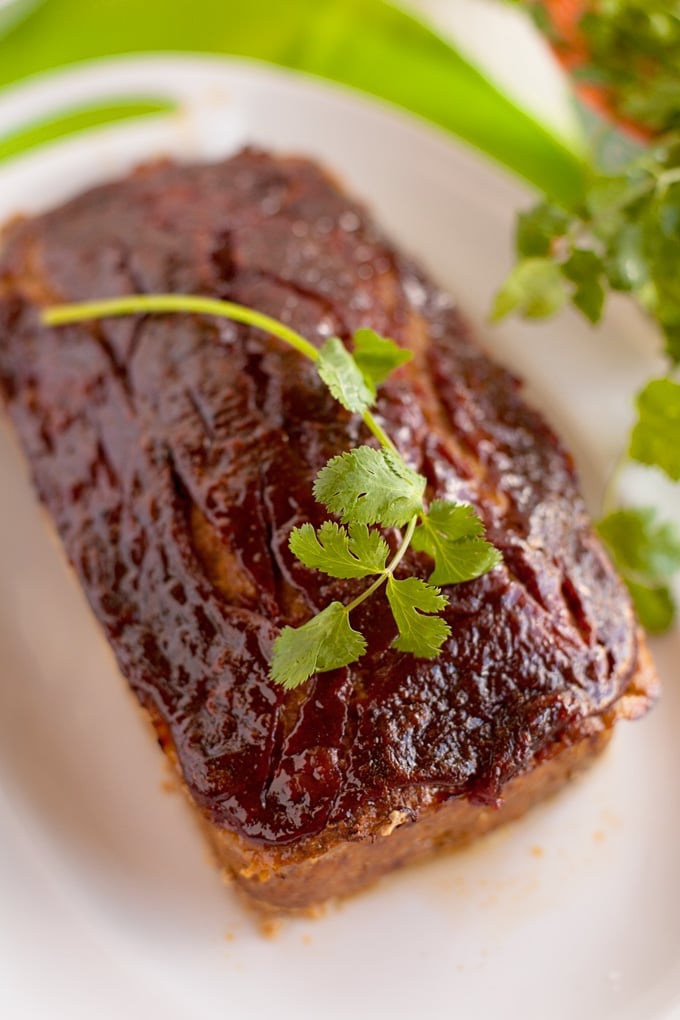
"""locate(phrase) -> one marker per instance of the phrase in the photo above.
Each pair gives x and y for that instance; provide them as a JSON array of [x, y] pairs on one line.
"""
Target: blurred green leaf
[[641, 543], [582, 266], [672, 336], [645, 552], [588, 297], [539, 227], [71, 122], [535, 288], [368, 44], [626, 266], [655, 438], [654, 605]]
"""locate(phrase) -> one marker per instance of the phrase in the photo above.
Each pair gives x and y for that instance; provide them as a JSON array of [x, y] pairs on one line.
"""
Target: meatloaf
[[176, 453]]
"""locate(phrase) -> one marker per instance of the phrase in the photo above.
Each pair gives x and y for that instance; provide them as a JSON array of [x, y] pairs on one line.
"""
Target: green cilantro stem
[[378, 431], [389, 569], [139, 304], [62, 315]]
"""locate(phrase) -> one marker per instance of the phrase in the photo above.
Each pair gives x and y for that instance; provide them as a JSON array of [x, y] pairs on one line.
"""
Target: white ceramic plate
[[109, 907]]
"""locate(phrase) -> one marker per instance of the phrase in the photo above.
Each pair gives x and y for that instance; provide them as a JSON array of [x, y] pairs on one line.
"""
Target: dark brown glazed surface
[[175, 454]]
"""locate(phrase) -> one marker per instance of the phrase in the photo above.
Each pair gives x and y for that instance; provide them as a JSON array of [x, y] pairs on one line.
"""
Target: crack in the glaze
[[574, 607], [287, 592], [119, 370], [135, 341], [200, 414], [105, 461]]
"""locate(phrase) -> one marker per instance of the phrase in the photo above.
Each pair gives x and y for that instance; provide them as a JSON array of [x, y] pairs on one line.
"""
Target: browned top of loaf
[[175, 454]]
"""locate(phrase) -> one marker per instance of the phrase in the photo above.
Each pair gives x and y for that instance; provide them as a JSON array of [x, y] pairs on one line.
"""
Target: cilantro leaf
[[627, 266], [654, 605], [538, 228], [377, 356], [410, 601], [452, 534], [584, 268], [325, 642], [368, 486], [644, 551], [656, 436], [338, 551], [535, 288], [589, 297], [342, 375], [640, 543], [582, 265], [672, 334]]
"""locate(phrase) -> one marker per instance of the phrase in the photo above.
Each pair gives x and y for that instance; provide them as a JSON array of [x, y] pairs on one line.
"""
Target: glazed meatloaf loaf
[[176, 453]]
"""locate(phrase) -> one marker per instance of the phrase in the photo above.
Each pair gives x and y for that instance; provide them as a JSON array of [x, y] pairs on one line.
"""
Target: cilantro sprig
[[366, 488], [623, 236]]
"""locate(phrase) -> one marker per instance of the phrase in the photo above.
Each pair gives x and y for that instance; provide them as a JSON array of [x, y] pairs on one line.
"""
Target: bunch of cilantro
[[623, 235]]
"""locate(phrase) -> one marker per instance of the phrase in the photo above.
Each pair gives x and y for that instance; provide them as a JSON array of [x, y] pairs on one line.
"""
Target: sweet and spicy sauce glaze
[[176, 454]]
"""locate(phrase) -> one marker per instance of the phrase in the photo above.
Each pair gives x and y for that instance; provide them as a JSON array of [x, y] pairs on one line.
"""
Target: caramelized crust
[[175, 455]]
